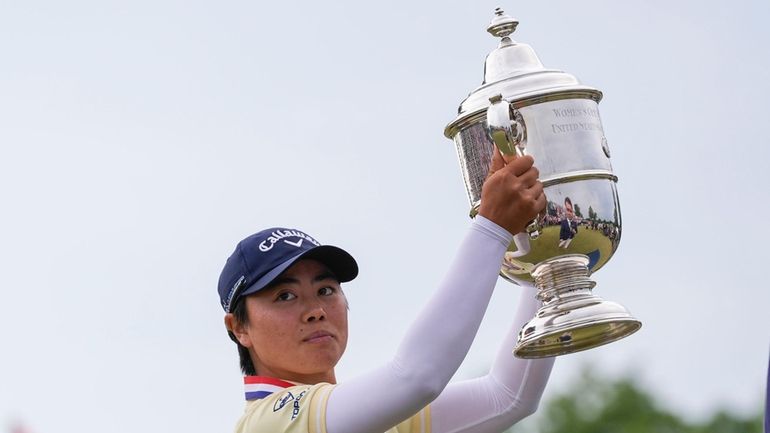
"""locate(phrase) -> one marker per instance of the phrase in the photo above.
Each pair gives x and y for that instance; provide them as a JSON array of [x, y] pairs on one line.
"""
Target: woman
[[285, 308]]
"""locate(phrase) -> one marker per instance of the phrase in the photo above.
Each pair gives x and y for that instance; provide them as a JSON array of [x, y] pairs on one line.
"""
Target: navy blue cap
[[261, 257]]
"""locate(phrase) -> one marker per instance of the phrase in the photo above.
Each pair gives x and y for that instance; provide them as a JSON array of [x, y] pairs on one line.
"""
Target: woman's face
[[298, 327]]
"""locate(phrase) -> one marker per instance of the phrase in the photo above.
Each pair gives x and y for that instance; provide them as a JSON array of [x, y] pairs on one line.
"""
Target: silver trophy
[[524, 108]]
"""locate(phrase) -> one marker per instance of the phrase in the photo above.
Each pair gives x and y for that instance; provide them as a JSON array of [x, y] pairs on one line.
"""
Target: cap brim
[[342, 265]]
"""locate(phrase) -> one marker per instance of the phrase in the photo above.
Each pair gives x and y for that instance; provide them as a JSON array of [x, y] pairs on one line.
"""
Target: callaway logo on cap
[[261, 257], [279, 235]]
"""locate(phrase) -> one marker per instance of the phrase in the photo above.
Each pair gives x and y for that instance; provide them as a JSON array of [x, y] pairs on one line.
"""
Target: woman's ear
[[238, 329]]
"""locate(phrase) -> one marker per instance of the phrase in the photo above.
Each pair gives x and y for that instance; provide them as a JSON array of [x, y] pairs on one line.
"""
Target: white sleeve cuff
[[485, 225]]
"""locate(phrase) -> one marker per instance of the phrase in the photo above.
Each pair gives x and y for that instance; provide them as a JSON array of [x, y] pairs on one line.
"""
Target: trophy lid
[[514, 71]]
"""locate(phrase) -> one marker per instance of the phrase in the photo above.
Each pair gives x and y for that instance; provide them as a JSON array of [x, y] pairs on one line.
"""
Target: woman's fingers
[[537, 191], [519, 165], [508, 158], [529, 177], [497, 162]]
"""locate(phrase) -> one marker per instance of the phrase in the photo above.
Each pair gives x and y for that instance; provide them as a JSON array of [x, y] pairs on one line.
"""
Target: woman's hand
[[512, 196]]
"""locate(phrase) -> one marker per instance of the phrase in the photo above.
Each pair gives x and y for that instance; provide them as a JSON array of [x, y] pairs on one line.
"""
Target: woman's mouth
[[318, 337]]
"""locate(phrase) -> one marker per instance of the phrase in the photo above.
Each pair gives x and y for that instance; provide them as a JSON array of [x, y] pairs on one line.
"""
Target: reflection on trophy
[[524, 108]]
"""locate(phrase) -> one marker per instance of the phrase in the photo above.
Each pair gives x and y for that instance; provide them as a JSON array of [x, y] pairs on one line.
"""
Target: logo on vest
[[295, 411], [282, 401]]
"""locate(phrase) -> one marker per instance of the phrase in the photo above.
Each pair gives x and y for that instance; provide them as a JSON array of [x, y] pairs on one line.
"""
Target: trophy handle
[[521, 240], [505, 127]]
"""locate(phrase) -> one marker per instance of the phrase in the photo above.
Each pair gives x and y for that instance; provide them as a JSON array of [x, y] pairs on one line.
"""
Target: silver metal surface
[[524, 108], [505, 126], [572, 318], [502, 25]]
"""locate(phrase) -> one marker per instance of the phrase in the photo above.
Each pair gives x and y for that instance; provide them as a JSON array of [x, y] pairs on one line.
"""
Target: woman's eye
[[326, 291], [286, 296]]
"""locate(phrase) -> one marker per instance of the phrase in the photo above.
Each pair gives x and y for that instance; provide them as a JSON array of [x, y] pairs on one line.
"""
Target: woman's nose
[[314, 313]]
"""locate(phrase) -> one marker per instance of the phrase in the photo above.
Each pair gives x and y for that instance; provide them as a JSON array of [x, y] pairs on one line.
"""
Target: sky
[[141, 140]]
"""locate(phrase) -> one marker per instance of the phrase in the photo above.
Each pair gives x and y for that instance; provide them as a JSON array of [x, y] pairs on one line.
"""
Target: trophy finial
[[502, 25]]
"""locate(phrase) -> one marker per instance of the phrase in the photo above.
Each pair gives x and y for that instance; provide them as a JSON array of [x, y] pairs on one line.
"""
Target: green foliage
[[578, 212], [592, 215], [595, 405]]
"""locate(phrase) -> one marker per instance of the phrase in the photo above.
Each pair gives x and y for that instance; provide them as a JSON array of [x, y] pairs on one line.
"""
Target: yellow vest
[[277, 406]]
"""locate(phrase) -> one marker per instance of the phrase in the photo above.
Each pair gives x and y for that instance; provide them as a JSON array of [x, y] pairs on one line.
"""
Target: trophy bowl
[[524, 108]]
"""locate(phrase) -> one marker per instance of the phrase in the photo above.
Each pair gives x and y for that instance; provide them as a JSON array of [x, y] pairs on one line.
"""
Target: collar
[[258, 387]]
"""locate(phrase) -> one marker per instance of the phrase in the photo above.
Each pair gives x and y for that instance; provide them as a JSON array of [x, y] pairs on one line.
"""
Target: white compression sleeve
[[510, 392], [434, 346]]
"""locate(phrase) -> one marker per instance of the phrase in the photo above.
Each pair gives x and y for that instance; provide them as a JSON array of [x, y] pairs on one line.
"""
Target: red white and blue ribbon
[[257, 387]]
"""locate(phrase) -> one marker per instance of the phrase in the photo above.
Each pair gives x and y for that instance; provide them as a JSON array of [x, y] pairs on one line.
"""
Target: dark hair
[[567, 200], [241, 316]]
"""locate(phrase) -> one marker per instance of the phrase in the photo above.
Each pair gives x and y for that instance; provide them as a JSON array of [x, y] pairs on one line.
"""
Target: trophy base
[[572, 318]]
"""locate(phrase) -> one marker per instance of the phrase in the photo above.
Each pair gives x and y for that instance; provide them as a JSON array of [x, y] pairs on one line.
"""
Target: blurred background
[[141, 140]]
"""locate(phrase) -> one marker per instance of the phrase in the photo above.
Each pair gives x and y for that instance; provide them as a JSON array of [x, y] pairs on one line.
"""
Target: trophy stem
[[559, 277], [572, 318]]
